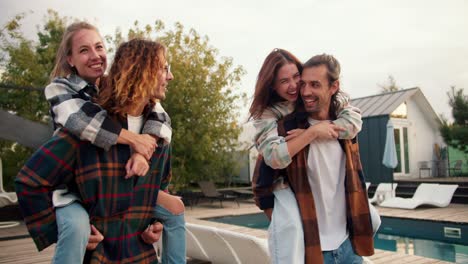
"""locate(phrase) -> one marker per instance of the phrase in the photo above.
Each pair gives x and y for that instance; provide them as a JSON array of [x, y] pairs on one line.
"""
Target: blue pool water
[[437, 240]]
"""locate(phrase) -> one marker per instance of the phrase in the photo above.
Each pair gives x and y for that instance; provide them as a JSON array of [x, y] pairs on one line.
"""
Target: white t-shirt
[[135, 123], [326, 164]]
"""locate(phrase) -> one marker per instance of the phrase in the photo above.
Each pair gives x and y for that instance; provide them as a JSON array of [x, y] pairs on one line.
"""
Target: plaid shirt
[[72, 108], [274, 148], [357, 207], [120, 209]]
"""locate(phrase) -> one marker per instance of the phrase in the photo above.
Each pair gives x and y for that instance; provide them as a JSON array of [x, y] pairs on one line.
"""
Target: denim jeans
[[342, 255], [173, 239], [73, 233], [285, 234]]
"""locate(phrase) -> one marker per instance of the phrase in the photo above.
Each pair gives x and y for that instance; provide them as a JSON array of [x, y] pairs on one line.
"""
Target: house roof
[[382, 104], [386, 103]]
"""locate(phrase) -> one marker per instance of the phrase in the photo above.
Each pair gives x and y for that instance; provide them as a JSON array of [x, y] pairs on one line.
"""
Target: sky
[[421, 43]]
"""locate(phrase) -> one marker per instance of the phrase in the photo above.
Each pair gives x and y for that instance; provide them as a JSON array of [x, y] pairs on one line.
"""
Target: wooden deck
[[16, 247]]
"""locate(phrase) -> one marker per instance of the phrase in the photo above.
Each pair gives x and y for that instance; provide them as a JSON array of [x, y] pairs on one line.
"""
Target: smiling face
[[286, 83], [88, 55], [316, 91]]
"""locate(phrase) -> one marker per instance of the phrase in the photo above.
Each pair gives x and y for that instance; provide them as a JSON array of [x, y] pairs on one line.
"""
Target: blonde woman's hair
[[133, 75], [61, 67]]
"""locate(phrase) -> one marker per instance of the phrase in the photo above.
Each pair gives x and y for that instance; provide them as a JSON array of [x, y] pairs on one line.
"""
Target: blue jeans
[[173, 239], [342, 255], [73, 233]]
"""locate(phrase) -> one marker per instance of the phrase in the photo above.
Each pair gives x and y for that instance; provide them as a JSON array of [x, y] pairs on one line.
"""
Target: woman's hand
[[144, 144], [326, 130], [294, 133], [136, 165], [152, 233]]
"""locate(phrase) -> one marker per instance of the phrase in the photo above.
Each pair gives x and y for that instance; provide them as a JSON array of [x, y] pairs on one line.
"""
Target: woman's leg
[[73, 233], [285, 233], [170, 211]]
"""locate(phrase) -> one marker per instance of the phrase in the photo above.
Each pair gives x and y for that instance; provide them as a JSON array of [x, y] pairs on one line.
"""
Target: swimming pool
[[437, 240]]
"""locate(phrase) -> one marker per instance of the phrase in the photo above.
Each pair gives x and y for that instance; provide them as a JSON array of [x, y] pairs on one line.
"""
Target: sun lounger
[[216, 248], [209, 191], [385, 189], [194, 249], [432, 194], [249, 249], [6, 199], [368, 184]]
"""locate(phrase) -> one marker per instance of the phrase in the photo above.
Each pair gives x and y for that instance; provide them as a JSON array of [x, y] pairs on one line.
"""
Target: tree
[[202, 100], [391, 86], [456, 134], [27, 64]]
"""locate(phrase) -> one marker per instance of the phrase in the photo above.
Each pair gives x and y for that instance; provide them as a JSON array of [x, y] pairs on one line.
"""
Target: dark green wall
[[372, 145]]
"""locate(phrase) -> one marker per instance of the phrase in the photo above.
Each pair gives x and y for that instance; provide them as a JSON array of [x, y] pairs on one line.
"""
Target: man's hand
[[152, 233], [136, 165], [94, 239], [144, 144], [327, 130], [268, 212]]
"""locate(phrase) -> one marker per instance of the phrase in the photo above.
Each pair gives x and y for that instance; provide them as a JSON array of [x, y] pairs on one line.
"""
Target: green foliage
[[456, 134], [390, 86], [202, 100], [26, 63]]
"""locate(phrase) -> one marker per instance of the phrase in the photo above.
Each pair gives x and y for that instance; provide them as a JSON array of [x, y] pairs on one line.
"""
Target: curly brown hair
[[133, 76]]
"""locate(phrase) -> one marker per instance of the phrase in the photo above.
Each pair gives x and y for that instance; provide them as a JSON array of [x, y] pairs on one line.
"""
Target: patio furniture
[[194, 248], [244, 194], [6, 199], [209, 191], [368, 184], [383, 191], [456, 168], [216, 248], [249, 249], [424, 166], [438, 195]]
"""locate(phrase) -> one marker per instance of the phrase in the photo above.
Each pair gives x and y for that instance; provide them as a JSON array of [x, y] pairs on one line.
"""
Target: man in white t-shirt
[[326, 176]]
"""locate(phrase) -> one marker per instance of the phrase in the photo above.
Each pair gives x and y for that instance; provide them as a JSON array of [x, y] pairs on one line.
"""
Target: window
[[402, 150], [401, 111]]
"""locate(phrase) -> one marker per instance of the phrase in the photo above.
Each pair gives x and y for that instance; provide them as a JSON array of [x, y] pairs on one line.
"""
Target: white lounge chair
[[368, 184], [433, 194], [249, 249], [194, 249], [216, 248], [385, 189], [6, 198]]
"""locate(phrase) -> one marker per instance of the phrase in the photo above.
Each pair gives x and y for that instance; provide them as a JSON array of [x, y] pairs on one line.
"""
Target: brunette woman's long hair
[[133, 75], [265, 96]]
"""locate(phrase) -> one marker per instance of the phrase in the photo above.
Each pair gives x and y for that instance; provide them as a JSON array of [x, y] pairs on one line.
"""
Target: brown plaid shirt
[[357, 207]]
